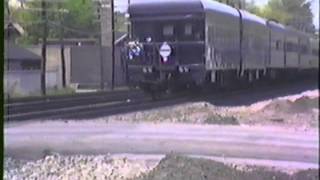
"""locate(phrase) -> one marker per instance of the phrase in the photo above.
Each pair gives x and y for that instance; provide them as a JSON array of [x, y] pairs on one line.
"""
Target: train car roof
[[251, 17], [210, 5], [290, 31], [276, 24], [179, 6]]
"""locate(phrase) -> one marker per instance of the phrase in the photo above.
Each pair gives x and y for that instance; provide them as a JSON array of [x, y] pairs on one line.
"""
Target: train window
[[292, 47], [278, 45], [142, 30], [289, 46], [188, 29], [304, 49], [168, 30]]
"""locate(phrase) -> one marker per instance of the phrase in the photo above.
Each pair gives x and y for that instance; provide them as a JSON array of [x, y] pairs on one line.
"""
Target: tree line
[[79, 18], [294, 13]]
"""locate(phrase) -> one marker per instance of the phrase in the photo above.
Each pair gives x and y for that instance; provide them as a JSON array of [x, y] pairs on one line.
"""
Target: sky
[[122, 4]]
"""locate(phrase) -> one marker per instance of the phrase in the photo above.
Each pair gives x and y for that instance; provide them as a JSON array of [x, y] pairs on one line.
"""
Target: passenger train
[[196, 42]]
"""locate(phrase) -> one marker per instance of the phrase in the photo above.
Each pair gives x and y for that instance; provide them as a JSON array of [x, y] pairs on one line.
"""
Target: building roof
[[15, 52]]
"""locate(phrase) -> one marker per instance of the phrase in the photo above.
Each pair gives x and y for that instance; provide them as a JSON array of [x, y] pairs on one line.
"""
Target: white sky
[[122, 4]]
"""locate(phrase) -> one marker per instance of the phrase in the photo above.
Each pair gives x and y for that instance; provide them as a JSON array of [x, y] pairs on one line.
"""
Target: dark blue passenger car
[[195, 42]]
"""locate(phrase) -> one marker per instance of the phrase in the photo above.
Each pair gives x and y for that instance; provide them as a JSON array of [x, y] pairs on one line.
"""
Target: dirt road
[[33, 140]]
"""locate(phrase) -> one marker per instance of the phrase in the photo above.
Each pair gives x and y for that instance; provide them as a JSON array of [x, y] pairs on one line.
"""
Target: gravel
[[192, 113], [171, 167], [300, 111], [58, 167]]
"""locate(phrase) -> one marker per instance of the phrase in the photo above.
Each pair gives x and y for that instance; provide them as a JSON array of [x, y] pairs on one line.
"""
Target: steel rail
[[69, 101], [20, 100], [109, 108]]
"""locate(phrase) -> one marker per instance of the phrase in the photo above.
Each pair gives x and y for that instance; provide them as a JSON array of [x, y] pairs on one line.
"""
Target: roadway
[[31, 140]]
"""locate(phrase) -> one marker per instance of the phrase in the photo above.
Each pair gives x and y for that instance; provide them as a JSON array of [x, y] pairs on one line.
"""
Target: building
[[22, 67]]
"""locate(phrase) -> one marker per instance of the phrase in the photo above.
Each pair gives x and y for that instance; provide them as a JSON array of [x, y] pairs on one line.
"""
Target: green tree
[[253, 8], [81, 17], [234, 3], [295, 13], [77, 17], [120, 22]]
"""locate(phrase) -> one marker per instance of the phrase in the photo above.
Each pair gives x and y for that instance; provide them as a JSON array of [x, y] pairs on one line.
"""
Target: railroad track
[[92, 108], [26, 108]]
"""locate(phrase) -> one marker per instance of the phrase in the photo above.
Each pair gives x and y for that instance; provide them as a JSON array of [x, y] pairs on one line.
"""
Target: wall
[[82, 65], [86, 66], [22, 82], [54, 63]]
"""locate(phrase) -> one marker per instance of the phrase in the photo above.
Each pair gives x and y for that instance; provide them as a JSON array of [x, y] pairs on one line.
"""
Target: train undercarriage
[[158, 82]]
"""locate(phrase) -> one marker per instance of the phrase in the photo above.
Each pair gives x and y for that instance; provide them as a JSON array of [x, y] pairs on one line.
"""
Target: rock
[[278, 120]]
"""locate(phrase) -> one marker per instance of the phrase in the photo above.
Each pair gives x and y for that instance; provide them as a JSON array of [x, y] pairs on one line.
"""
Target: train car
[[176, 43], [255, 44], [223, 27], [314, 61], [182, 41], [292, 50], [305, 51], [170, 36], [276, 58]]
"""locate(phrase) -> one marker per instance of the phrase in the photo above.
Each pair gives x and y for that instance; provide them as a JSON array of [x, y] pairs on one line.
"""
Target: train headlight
[[186, 69], [181, 70], [144, 70], [130, 56], [149, 69]]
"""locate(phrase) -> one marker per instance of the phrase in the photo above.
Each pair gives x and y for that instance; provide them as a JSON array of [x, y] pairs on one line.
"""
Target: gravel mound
[[183, 168], [57, 167], [303, 104], [194, 113], [298, 111]]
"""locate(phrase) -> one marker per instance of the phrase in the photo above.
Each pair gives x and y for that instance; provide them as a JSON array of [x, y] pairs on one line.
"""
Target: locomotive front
[[167, 45]]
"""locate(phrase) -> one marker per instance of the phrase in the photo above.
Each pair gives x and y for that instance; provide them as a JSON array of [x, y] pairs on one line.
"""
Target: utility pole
[[44, 46], [128, 26], [9, 21], [107, 35], [63, 63], [112, 46], [101, 64], [101, 17]]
